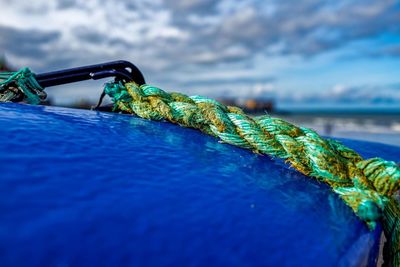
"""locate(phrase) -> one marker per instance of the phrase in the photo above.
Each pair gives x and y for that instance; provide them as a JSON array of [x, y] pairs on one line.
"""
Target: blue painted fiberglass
[[84, 188]]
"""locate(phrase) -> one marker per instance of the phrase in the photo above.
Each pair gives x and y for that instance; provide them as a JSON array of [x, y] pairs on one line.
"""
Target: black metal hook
[[121, 70]]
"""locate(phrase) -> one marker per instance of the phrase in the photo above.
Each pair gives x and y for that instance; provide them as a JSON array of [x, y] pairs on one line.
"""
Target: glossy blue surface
[[82, 188]]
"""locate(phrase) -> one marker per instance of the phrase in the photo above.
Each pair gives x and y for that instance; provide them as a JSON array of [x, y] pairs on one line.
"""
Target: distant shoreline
[[338, 111]]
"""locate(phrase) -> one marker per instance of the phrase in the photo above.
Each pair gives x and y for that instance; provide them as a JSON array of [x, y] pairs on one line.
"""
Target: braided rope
[[366, 185]]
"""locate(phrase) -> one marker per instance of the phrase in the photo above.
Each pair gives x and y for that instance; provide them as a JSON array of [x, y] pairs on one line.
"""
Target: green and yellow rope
[[368, 186]]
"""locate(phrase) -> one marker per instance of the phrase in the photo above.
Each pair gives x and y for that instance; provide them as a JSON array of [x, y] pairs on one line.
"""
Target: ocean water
[[380, 127]]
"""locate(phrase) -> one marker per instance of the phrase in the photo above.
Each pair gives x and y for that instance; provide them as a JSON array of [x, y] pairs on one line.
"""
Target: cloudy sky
[[298, 52]]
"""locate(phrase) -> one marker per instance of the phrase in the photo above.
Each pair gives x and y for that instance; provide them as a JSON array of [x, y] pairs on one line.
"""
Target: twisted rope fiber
[[368, 186], [20, 85]]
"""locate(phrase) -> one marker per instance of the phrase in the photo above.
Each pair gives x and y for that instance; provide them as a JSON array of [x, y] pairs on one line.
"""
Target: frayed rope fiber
[[368, 186], [20, 86]]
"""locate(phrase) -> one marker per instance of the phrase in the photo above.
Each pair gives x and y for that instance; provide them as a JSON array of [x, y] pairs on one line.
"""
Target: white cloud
[[207, 42]]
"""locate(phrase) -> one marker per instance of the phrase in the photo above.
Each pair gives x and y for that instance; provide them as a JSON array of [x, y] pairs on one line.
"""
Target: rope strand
[[20, 86], [366, 185]]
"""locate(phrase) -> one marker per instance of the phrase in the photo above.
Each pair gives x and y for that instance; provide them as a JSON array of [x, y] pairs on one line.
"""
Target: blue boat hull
[[83, 188]]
